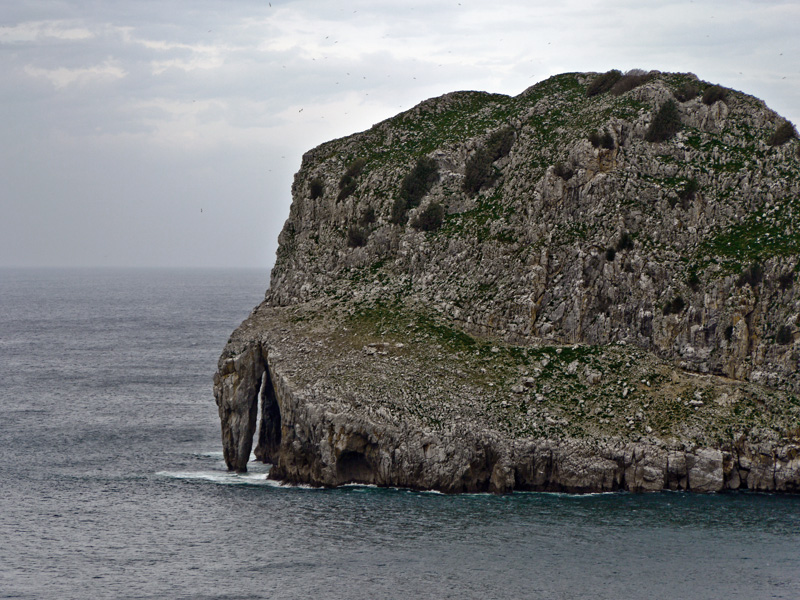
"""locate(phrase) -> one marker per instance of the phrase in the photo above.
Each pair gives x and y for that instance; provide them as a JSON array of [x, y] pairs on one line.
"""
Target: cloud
[[42, 31], [187, 57], [108, 70], [205, 60], [135, 104], [179, 126]]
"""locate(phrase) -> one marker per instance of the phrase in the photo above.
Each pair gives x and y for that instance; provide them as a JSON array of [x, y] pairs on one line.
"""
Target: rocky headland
[[591, 286]]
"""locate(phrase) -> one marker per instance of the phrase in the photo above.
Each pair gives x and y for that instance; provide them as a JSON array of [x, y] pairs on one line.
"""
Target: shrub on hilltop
[[316, 188], [714, 94], [563, 171], [690, 188], [665, 124], [631, 80], [786, 280], [347, 184], [751, 276], [688, 192], [603, 83], [419, 181], [414, 187], [356, 237], [784, 336], [367, 217], [625, 242], [688, 91], [782, 134], [479, 170], [429, 219], [674, 306], [604, 140], [399, 212]]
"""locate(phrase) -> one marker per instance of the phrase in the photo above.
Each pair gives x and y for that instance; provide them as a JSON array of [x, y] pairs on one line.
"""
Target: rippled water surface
[[112, 483]]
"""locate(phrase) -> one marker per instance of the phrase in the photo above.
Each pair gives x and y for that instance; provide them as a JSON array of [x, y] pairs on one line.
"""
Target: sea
[[112, 483]]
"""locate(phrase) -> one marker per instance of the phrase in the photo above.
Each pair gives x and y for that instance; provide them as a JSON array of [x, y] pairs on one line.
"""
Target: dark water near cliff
[[112, 485]]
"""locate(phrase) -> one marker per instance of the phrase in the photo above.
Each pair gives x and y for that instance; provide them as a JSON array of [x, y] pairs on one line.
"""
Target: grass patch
[[761, 235]]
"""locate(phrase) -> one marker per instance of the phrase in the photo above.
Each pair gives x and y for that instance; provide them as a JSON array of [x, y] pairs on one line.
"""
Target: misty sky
[[166, 133]]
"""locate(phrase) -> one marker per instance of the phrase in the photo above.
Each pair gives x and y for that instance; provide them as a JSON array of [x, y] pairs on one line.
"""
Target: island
[[588, 287]]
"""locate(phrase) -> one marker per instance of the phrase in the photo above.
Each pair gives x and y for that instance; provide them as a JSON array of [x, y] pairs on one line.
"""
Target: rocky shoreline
[[269, 393]]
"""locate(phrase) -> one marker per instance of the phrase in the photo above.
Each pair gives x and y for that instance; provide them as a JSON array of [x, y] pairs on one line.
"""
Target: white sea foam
[[217, 455], [232, 478], [220, 477], [571, 496], [214, 455]]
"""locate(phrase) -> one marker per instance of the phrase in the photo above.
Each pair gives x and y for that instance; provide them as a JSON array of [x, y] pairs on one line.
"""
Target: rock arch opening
[[269, 429]]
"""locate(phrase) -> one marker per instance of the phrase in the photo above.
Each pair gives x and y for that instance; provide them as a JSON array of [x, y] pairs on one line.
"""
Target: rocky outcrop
[[236, 387], [489, 293]]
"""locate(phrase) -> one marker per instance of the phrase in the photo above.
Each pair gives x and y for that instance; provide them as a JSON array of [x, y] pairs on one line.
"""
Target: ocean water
[[112, 483]]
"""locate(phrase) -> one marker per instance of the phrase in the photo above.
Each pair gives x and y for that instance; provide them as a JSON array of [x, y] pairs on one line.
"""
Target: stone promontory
[[591, 286]]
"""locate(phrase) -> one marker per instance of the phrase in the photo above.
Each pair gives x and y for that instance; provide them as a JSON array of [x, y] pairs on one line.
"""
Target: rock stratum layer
[[586, 287]]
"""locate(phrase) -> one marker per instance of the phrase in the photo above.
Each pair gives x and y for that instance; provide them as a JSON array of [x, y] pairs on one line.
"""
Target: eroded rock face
[[581, 235], [329, 439], [708, 218]]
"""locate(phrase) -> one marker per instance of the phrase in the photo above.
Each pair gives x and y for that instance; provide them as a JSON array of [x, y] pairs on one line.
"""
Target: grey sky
[[166, 133]]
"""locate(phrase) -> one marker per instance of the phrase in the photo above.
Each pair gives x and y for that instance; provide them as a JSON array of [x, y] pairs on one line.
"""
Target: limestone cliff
[[589, 286]]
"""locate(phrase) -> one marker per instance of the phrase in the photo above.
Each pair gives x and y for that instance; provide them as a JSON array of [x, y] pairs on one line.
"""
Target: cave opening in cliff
[[269, 428], [353, 467]]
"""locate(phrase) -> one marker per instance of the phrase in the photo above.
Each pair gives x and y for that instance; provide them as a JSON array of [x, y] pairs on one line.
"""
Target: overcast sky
[[166, 133]]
